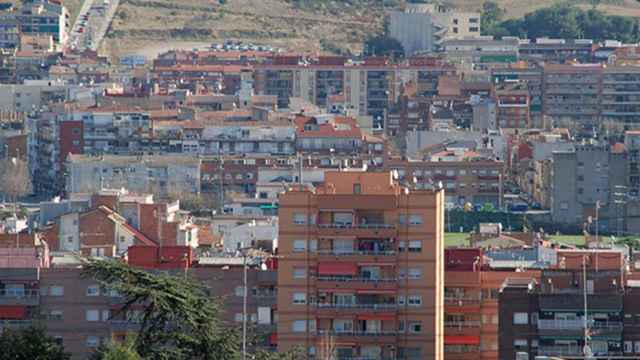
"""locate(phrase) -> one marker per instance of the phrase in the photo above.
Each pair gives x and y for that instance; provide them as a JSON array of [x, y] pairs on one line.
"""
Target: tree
[[114, 351], [28, 344], [15, 179], [178, 319], [491, 15], [383, 46]]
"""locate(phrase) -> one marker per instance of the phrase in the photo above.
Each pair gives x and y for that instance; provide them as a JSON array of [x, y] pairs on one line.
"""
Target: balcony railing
[[355, 226], [357, 252], [19, 296], [560, 350], [577, 325], [357, 332], [462, 324], [457, 301], [355, 279], [457, 349], [14, 324], [357, 306]]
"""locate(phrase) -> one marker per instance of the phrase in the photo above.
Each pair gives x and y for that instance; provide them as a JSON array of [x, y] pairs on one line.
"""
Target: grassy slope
[[275, 22]]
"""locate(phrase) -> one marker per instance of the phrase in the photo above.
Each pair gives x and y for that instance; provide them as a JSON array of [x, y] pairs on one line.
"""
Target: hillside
[[147, 26], [517, 8]]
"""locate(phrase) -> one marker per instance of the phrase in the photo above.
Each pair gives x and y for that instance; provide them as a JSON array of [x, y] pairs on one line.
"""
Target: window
[[520, 318], [474, 29], [299, 273], [92, 341], [415, 246], [415, 220], [628, 346], [92, 315], [299, 245], [299, 298], [239, 291], [299, 219], [415, 300], [356, 189], [298, 326], [415, 273], [312, 350], [237, 317], [401, 300], [55, 315], [401, 326], [520, 344], [636, 347], [56, 290], [473, 20], [93, 290], [415, 327], [106, 315]]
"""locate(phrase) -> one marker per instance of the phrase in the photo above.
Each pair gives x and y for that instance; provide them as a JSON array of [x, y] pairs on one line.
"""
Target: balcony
[[359, 307], [462, 324], [460, 301], [337, 252], [364, 283], [24, 297], [15, 324], [560, 351], [357, 230], [578, 325]]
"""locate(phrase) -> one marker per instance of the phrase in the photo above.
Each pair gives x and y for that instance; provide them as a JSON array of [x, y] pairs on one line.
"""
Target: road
[[92, 24]]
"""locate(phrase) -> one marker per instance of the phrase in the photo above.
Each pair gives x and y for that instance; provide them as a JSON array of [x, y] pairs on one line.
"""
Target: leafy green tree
[[30, 344], [115, 351], [491, 15], [383, 46], [178, 320]]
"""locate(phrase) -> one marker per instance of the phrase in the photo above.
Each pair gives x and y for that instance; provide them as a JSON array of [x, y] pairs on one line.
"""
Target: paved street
[[92, 24]]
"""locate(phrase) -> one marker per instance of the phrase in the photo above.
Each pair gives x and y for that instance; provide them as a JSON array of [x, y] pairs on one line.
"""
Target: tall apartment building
[[9, 31], [582, 176], [548, 318], [477, 182], [44, 17], [532, 77], [512, 106], [621, 95], [423, 27], [360, 268], [572, 94], [471, 304], [368, 87], [160, 174]]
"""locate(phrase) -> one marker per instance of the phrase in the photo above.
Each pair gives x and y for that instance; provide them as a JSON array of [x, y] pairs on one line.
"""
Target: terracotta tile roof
[[618, 148], [207, 68], [338, 126]]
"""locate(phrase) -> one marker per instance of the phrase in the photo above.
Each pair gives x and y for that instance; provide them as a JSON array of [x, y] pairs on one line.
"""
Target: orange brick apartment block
[[361, 269]]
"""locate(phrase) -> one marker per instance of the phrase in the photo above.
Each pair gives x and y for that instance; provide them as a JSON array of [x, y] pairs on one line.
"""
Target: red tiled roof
[[329, 129]]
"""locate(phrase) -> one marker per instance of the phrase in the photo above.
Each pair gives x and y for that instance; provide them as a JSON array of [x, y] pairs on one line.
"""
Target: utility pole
[[597, 213], [244, 305], [586, 349]]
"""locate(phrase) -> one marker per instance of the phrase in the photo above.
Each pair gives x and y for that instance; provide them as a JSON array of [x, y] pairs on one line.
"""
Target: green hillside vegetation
[[561, 21]]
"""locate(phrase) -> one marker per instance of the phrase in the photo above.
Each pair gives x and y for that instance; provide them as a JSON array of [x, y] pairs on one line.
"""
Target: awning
[[13, 312], [461, 340], [337, 268], [381, 317], [375, 291], [273, 339]]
